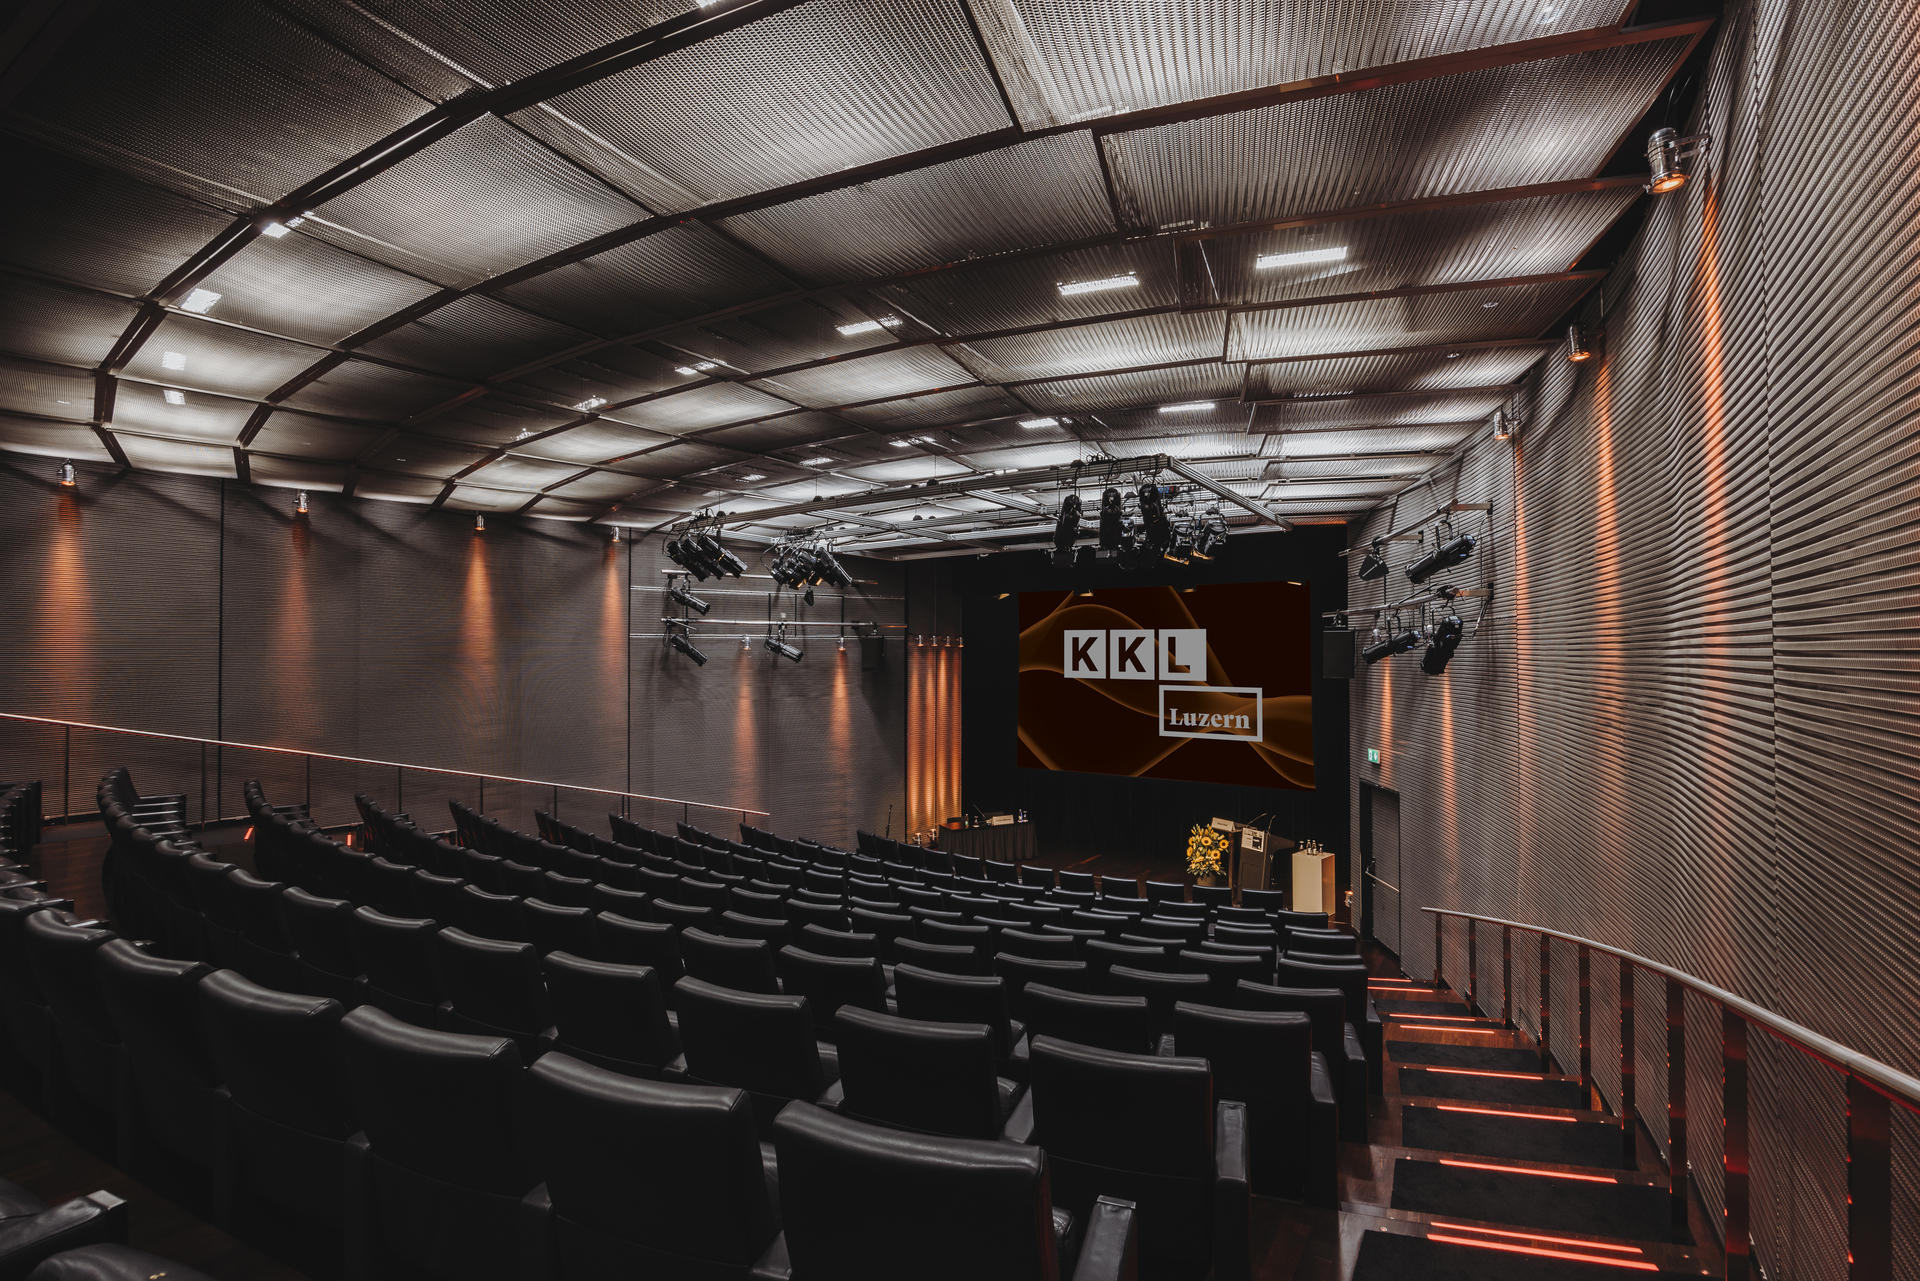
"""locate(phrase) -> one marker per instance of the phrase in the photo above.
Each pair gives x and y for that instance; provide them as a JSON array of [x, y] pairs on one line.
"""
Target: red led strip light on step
[[1531, 1116], [1635, 1264], [1535, 1236], [1436, 1018], [1542, 1174], [1463, 1031], [1509, 1076]]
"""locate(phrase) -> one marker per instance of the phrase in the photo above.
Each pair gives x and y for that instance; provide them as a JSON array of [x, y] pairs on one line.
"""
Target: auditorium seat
[[391, 886], [1224, 970], [886, 927], [932, 996], [739, 925], [828, 916], [829, 982], [934, 1078], [438, 1180], [1108, 1022], [220, 925], [289, 1116], [613, 1016], [837, 943], [83, 1061], [1158, 892], [765, 1045], [565, 891], [488, 915], [1119, 887], [1266, 1060], [1333, 1036], [682, 915], [107, 1261], [551, 927], [751, 902], [437, 897], [1330, 942], [1212, 897], [400, 967], [1179, 1155], [633, 904], [646, 1179], [1175, 910], [1245, 935], [1268, 901], [1352, 982], [1102, 956], [1264, 953], [1186, 933], [1162, 990], [950, 934], [1284, 919], [494, 988], [36, 1236], [623, 941], [1045, 947], [743, 964], [1018, 971], [1244, 917], [937, 956], [23, 1006], [321, 932]]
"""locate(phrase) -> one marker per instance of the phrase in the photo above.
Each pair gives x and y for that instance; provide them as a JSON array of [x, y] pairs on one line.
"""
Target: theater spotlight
[[1502, 425], [1446, 639], [1066, 529], [1180, 548], [783, 649], [1667, 154], [1156, 532], [680, 554], [1577, 345], [66, 475], [685, 646], [830, 570], [1211, 535], [1392, 645], [1374, 564], [300, 504], [1443, 557], [721, 560], [479, 523], [681, 596]]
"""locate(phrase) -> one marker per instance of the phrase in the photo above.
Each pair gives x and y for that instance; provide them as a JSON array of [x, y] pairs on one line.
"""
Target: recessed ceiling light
[[1032, 424], [200, 301], [524, 434], [1453, 355], [1095, 286], [274, 230], [1301, 257], [900, 444], [1191, 406], [173, 360], [815, 462], [698, 367], [1489, 304], [753, 475], [590, 404], [868, 326], [175, 397]]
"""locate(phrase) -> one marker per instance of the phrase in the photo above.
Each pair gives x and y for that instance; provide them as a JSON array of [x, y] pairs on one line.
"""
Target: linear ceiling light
[[697, 367], [815, 462], [174, 397], [1095, 286], [868, 326], [200, 301], [1300, 258], [590, 404], [1189, 407], [1034, 424]]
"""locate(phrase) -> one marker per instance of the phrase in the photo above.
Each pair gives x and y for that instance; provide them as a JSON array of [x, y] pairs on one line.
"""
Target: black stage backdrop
[[1144, 817]]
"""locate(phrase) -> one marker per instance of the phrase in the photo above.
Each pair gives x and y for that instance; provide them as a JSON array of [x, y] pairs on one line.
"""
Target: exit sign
[[1373, 756]]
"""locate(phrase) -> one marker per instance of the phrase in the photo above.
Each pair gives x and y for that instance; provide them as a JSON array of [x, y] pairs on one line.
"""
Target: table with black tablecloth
[[1009, 843]]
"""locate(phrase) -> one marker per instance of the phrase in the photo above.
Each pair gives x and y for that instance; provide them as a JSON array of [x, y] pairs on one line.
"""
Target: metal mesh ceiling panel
[[45, 322], [413, 455], [1540, 121], [396, 488], [595, 442], [604, 487], [180, 457], [679, 459], [517, 471], [555, 508], [909, 469], [295, 473], [992, 296], [1054, 455], [1422, 371], [892, 373], [1515, 311], [612, 374], [826, 86], [53, 440], [1362, 492], [95, 226], [1315, 469], [790, 334], [1127, 391], [781, 433], [359, 389], [1068, 60], [485, 200], [223, 95], [339, 292], [27, 386], [1435, 247], [675, 274], [963, 405], [473, 337], [712, 406], [484, 498], [310, 436], [209, 418], [1148, 431], [1116, 344], [188, 352], [1377, 411], [1037, 193], [501, 41], [1331, 444], [491, 421]]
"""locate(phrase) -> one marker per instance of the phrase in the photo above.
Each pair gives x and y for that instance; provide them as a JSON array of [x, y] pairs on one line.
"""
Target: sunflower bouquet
[[1206, 851]]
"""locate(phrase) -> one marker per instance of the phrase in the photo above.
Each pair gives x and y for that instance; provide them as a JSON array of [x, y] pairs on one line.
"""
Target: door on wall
[[1380, 857]]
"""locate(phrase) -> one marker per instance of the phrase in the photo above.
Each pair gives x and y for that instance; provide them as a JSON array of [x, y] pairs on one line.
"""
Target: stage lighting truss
[[701, 553], [803, 564]]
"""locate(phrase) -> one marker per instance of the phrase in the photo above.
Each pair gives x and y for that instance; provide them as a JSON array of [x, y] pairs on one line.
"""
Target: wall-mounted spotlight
[[1393, 644], [66, 475], [1502, 425], [1445, 556], [300, 503], [1446, 639], [613, 533], [784, 650], [1374, 564], [685, 646], [1667, 156], [1066, 529], [479, 523], [681, 596], [1577, 345]]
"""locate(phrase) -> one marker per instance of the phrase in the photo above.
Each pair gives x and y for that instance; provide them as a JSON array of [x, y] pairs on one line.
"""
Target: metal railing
[[1872, 1086], [400, 773]]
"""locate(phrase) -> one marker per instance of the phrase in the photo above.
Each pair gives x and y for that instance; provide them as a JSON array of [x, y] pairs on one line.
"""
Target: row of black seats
[[19, 819]]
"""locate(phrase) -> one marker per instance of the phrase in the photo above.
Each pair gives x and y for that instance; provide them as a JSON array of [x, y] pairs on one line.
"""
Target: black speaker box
[[1336, 655]]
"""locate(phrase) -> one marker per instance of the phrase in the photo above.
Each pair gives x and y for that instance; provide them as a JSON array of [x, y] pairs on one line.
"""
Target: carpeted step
[[1526, 1091], [1487, 1058], [1550, 1140], [1419, 1007], [1553, 1203], [1386, 1256]]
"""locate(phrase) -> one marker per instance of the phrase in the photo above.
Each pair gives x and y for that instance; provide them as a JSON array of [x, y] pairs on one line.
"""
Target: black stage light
[[1446, 639], [722, 560], [1065, 529], [1113, 521], [685, 646], [1445, 557], [1180, 542], [679, 554], [1374, 564], [831, 571], [1390, 646], [1155, 531], [681, 596], [783, 649], [1211, 535]]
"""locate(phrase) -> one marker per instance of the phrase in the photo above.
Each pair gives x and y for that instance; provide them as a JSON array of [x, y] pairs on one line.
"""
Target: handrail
[[1895, 1084], [400, 765]]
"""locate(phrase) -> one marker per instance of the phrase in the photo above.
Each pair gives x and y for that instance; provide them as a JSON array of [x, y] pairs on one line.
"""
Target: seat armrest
[[835, 1095], [1232, 1202], [1165, 1046], [532, 1228], [1373, 1038], [357, 1263], [1352, 1087], [1323, 1137], [1019, 1127], [676, 1070], [89, 1220], [773, 1265], [1109, 1248]]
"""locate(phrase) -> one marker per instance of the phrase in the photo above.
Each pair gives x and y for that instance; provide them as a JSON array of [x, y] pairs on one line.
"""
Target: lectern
[[1313, 888]]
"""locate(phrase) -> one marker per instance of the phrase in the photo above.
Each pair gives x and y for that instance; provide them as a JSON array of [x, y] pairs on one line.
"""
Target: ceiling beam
[[113, 445], [1233, 496], [242, 469]]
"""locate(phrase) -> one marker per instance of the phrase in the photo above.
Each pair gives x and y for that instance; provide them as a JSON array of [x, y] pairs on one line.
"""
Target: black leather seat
[[1351, 979], [173, 1100], [1180, 1156], [623, 941], [613, 1016], [490, 916], [745, 965], [566, 891], [903, 1222], [84, 1057], [1044, 947], [1019, 971], [934, 997], [220, 925], [392, 885], [1185, 933], [1266, 1061], [1224, 970], [1117, 1023], [495, 989], [762, 1044], [635, 905], [438, 1183], [681, 915], [321, 931], [23, 1006], [400, 968], [36, 1239], [1101, 956], [830, 982], [111, 1261], [837, 943], [1330, 942], [1333, 1036], [936, 1078], [828, 916], [1163, 992], [1246, 935], [648, 1179], [289, 1115], [738, 925], [552, 927]]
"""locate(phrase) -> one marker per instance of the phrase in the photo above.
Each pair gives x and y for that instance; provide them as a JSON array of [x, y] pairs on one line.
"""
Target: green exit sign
[[1373, 756]]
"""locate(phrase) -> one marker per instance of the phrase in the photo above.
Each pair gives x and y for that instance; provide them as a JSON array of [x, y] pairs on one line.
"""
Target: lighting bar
[[1535, 1236], [1191, 406], [753, 476], [1300, 258], [590, 404], [173, 360], [1096, 286], [1530, 1116], [868, 326], [274, 230], [1515, 1169], [815, 462], [1034, 424], [697, 367], [174, 397], [200, 301], [1636, 1264]]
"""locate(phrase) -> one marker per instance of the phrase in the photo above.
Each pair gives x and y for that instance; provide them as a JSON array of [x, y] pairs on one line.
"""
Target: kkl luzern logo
[[1189, 710]]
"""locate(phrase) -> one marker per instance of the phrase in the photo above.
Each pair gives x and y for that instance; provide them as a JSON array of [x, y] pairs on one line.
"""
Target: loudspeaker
[[1336, 655]]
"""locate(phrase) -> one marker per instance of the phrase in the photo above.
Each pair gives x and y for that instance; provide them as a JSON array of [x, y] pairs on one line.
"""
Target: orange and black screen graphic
[[1139, 705]]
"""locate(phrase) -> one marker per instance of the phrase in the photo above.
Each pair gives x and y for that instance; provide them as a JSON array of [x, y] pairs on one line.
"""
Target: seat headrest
[[153, 1005], [276, 1052], [1078, 1090], [1255, 1054]]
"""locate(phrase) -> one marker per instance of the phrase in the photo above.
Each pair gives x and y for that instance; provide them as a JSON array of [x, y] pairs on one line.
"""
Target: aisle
[[1485, 1167]]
